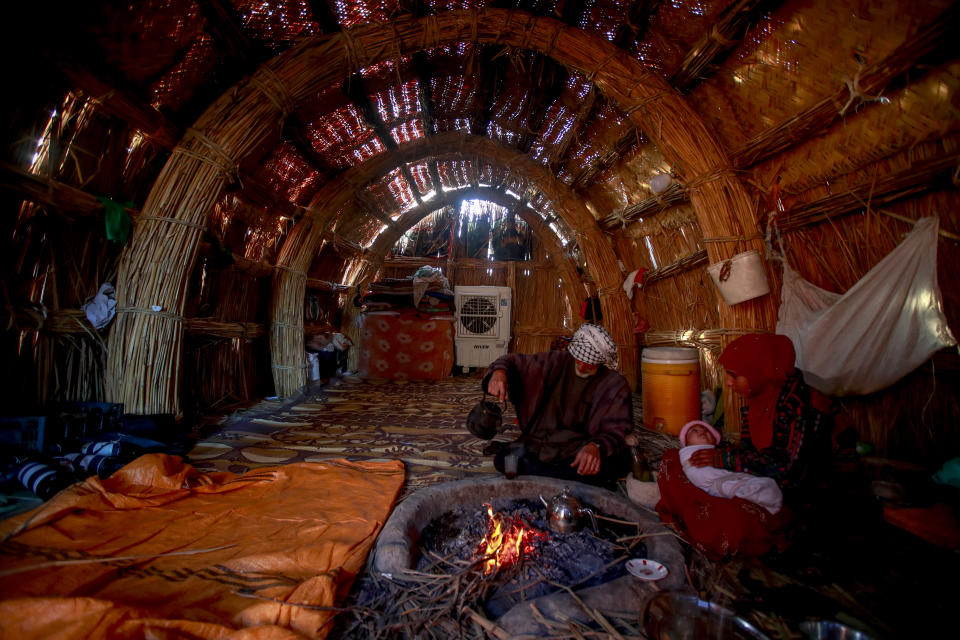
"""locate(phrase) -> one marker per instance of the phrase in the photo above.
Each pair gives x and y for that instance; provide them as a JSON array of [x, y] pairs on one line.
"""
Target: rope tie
[[717, 37], [657, 97], [290, 270], [289, 367], [710, 176], [151, 312], [506, 27], [593, 74], [278, 323], [553, 40], [621, 217], [528, 30], [267, 82], [227, 170], [185, 223], [853, 86], [210, 144], [609, 291], [756, 236]]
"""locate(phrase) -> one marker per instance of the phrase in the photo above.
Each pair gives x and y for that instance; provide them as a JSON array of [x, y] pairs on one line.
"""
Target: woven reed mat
[[419, 422]]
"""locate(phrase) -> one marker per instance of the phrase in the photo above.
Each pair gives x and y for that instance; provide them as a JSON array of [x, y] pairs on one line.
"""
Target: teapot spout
[[544, 501]]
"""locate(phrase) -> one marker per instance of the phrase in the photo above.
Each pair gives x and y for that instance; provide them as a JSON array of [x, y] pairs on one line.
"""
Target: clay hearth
[[397, 551]]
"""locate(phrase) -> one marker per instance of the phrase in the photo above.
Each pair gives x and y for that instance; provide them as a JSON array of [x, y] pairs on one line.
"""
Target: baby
[[697, 435]]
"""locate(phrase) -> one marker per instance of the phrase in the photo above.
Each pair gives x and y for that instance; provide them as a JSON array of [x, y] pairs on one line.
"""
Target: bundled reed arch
[[145, 343], [303, 243]]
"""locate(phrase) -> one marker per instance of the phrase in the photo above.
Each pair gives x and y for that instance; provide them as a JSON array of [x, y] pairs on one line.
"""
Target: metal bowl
[[678, 616], [830, 630]]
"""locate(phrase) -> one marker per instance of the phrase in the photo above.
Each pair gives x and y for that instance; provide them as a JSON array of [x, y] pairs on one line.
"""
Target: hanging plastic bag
[[103, 307], [880, 330]]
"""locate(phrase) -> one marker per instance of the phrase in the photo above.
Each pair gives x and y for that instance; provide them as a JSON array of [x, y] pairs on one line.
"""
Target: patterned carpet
[[418, 422]]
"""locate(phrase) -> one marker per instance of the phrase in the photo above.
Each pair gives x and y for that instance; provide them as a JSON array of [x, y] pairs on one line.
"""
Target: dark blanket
[[723, 528]]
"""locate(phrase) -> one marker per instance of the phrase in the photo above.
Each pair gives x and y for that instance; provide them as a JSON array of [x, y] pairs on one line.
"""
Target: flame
[[507, 541]]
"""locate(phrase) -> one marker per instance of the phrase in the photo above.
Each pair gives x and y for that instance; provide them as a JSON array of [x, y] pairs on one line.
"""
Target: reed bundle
[[726, 30], [221, 329], [75, 321], [412, 262], [286, 307], [67, 321], [922, 176], [674, 194], [50, 193], [553, 332], [325, 285], [686, 263], [709, 339]]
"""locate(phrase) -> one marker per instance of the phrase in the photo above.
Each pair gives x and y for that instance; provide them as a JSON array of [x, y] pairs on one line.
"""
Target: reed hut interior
[[262, 254]]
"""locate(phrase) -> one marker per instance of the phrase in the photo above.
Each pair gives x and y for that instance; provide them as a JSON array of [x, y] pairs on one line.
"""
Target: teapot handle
[[593, 518], [495, 401]]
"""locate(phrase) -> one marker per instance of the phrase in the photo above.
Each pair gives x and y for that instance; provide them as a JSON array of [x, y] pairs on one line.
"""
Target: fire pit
[[399, 549]]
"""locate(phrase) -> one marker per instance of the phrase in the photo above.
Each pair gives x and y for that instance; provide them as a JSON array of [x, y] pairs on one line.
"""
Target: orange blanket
[[160, 550]]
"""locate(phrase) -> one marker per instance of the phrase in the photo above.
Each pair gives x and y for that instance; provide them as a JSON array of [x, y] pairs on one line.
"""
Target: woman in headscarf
[[778, 427], [779, 418], [573, 408]]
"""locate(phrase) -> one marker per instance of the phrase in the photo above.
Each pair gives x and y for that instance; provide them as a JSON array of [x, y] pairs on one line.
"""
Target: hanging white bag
[[881, 329]]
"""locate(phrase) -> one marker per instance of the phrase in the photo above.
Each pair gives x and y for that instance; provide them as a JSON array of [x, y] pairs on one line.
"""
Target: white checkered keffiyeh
[[593, 345]]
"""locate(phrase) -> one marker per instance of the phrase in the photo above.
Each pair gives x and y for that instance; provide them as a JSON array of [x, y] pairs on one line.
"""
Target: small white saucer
[[646, 569]]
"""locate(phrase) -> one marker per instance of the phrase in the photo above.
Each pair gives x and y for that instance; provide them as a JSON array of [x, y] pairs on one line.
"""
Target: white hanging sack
[[884, 327]]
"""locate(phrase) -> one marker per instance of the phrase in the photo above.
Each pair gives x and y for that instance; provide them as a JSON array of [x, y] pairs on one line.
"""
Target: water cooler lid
[[670, 355]]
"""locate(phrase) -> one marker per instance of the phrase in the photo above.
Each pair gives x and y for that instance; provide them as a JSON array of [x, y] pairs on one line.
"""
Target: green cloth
[[949, 474], [116, 219]]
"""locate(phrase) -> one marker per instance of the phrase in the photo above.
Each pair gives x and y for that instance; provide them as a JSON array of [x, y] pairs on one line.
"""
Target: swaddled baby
[[723, 483]]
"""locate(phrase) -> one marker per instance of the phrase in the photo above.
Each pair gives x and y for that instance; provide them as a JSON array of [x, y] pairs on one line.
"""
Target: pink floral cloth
[[405, 347]]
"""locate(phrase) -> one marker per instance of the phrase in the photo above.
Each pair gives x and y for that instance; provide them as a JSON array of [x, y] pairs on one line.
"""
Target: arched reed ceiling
[[303, 243], [544, 234], [154, 269]]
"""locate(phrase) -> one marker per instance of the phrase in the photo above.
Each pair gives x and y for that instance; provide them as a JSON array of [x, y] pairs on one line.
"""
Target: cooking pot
[[485, 419], [564, 513]]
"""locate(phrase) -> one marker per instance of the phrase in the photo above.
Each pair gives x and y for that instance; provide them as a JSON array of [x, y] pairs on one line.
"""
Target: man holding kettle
[[573, 407]]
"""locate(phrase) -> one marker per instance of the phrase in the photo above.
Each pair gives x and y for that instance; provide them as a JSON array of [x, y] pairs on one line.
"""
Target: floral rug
[[420, 423]]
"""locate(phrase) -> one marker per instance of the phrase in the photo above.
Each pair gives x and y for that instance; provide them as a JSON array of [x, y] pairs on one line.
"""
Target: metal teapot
[[564, 513], [486, 418]]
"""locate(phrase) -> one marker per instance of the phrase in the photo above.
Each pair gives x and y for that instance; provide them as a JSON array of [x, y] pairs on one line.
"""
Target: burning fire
[[507, 540]]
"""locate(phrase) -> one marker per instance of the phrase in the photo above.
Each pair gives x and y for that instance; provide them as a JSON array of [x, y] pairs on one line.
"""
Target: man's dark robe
[[603, 414]]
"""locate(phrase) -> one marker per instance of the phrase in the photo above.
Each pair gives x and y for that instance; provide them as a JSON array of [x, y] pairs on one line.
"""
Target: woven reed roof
[[749, 65], [310, 135]]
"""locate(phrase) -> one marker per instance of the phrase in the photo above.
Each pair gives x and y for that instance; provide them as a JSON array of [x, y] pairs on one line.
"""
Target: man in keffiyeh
[[573, 408]]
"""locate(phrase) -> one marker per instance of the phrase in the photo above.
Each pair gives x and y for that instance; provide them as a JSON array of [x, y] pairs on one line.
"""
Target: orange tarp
[[160, 550]]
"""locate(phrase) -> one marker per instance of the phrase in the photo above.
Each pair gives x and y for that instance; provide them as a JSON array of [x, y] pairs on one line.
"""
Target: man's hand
[[706, 458], [587, 461], [498, 385]]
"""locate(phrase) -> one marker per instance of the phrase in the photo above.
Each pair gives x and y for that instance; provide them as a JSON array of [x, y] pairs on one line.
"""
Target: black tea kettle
[[486, 418]]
